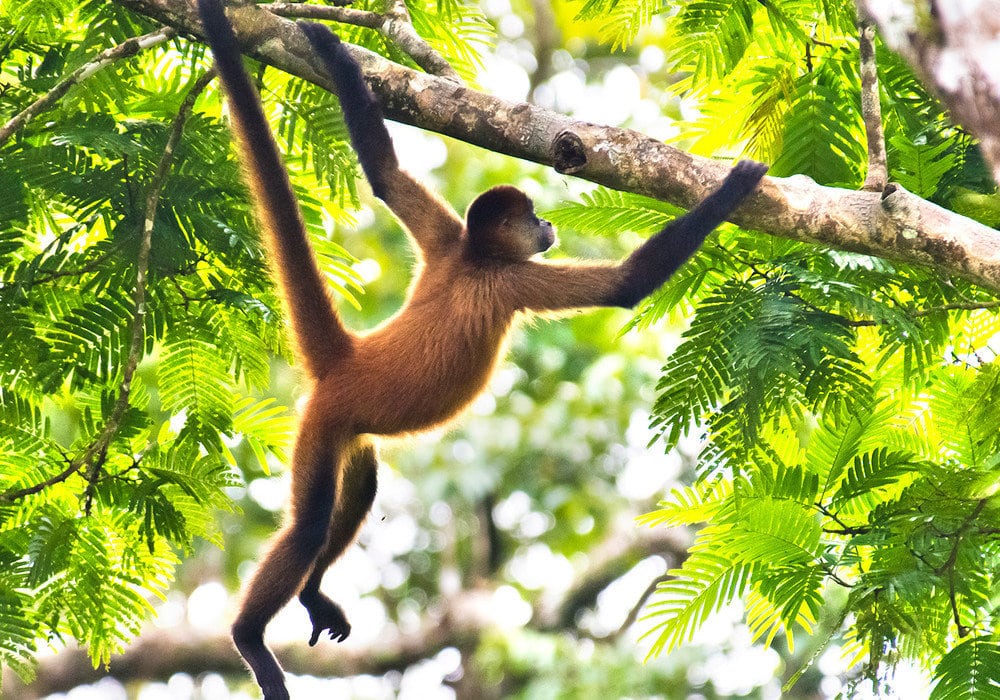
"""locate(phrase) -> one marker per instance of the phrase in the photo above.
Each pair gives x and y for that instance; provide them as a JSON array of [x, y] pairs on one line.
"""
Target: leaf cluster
[[847, 406]]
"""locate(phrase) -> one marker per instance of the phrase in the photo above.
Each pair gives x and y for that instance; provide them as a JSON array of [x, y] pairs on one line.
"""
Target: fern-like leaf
[[622, 19], [783, 600], [702, 586], [695, 380], [266, 428], [771, 531], [193, 379], [919, 167], [870, 475], [18, 627], [605, 212], [689, 505], [709, 37], [970, 671]]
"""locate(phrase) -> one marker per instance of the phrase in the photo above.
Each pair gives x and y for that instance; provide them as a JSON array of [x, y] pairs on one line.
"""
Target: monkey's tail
[[320, 335]]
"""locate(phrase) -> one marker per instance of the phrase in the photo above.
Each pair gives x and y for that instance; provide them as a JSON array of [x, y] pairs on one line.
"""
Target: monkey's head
[[501, 224]]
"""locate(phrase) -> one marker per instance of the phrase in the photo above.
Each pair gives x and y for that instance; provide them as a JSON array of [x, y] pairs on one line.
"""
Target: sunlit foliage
[[847, 406]]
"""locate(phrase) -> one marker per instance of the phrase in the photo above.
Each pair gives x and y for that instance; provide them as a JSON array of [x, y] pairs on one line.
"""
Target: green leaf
[[622, 18], [871, 473], [970, 671], [192, 377], [834, 444], [19, 630], [920, 166], [784, 599], [703, 585], [771, 531], [605, 212], [709, 37], [265, 426], [689, 505]]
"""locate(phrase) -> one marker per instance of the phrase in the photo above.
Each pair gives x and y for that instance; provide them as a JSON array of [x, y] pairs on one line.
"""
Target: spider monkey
[[428, 362]]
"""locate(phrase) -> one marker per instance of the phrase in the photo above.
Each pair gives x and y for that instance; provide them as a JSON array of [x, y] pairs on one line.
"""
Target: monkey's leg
[[290, 556], [356, 492]]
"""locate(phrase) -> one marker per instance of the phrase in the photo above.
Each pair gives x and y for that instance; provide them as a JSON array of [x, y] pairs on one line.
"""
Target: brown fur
[[423, 366]]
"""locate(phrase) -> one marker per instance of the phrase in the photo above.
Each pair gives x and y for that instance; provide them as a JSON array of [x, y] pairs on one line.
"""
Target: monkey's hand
[[325, 615], [740, 182]]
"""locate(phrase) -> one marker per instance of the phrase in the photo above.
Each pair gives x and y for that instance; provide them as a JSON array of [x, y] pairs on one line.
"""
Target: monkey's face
[[522, 234], [545, 235], [502, 224]]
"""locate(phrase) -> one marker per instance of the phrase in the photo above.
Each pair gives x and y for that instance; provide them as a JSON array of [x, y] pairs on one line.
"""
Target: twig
[[93, 457], [344, 15], [126, 49], [949, 565], [958, 306], [142, 267], [66, 473], [545, 37], [845, 529], [94, 264], [871, 111], [395, 24], [968, 305], [633, 614]]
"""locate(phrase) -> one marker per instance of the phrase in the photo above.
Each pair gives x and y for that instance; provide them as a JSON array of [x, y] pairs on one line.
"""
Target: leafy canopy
[[846, 404], [110, 472]]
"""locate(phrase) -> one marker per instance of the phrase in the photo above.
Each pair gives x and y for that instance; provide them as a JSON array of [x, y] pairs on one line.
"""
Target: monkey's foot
[[325, 615]]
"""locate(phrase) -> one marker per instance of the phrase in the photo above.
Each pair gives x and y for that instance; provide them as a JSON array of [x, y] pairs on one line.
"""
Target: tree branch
[[633, 613], [609, 561], [893, 224], [460, 620], [105, 58], [395, 24], [952, 46], [871, 111]]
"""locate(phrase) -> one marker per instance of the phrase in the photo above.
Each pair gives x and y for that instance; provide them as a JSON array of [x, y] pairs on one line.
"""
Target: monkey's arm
[[432, 222], [553, 287]]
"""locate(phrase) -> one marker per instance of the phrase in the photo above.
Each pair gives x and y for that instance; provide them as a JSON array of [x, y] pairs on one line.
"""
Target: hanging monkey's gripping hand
[[652, 263], [434, 225]]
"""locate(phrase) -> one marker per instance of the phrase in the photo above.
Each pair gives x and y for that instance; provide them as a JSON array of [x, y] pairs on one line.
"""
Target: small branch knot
[[568, 153]]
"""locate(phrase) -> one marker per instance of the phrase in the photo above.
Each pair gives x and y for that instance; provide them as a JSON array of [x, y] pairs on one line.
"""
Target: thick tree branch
[[159, 654], [892, 224], [952, 45], [459, 621]]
